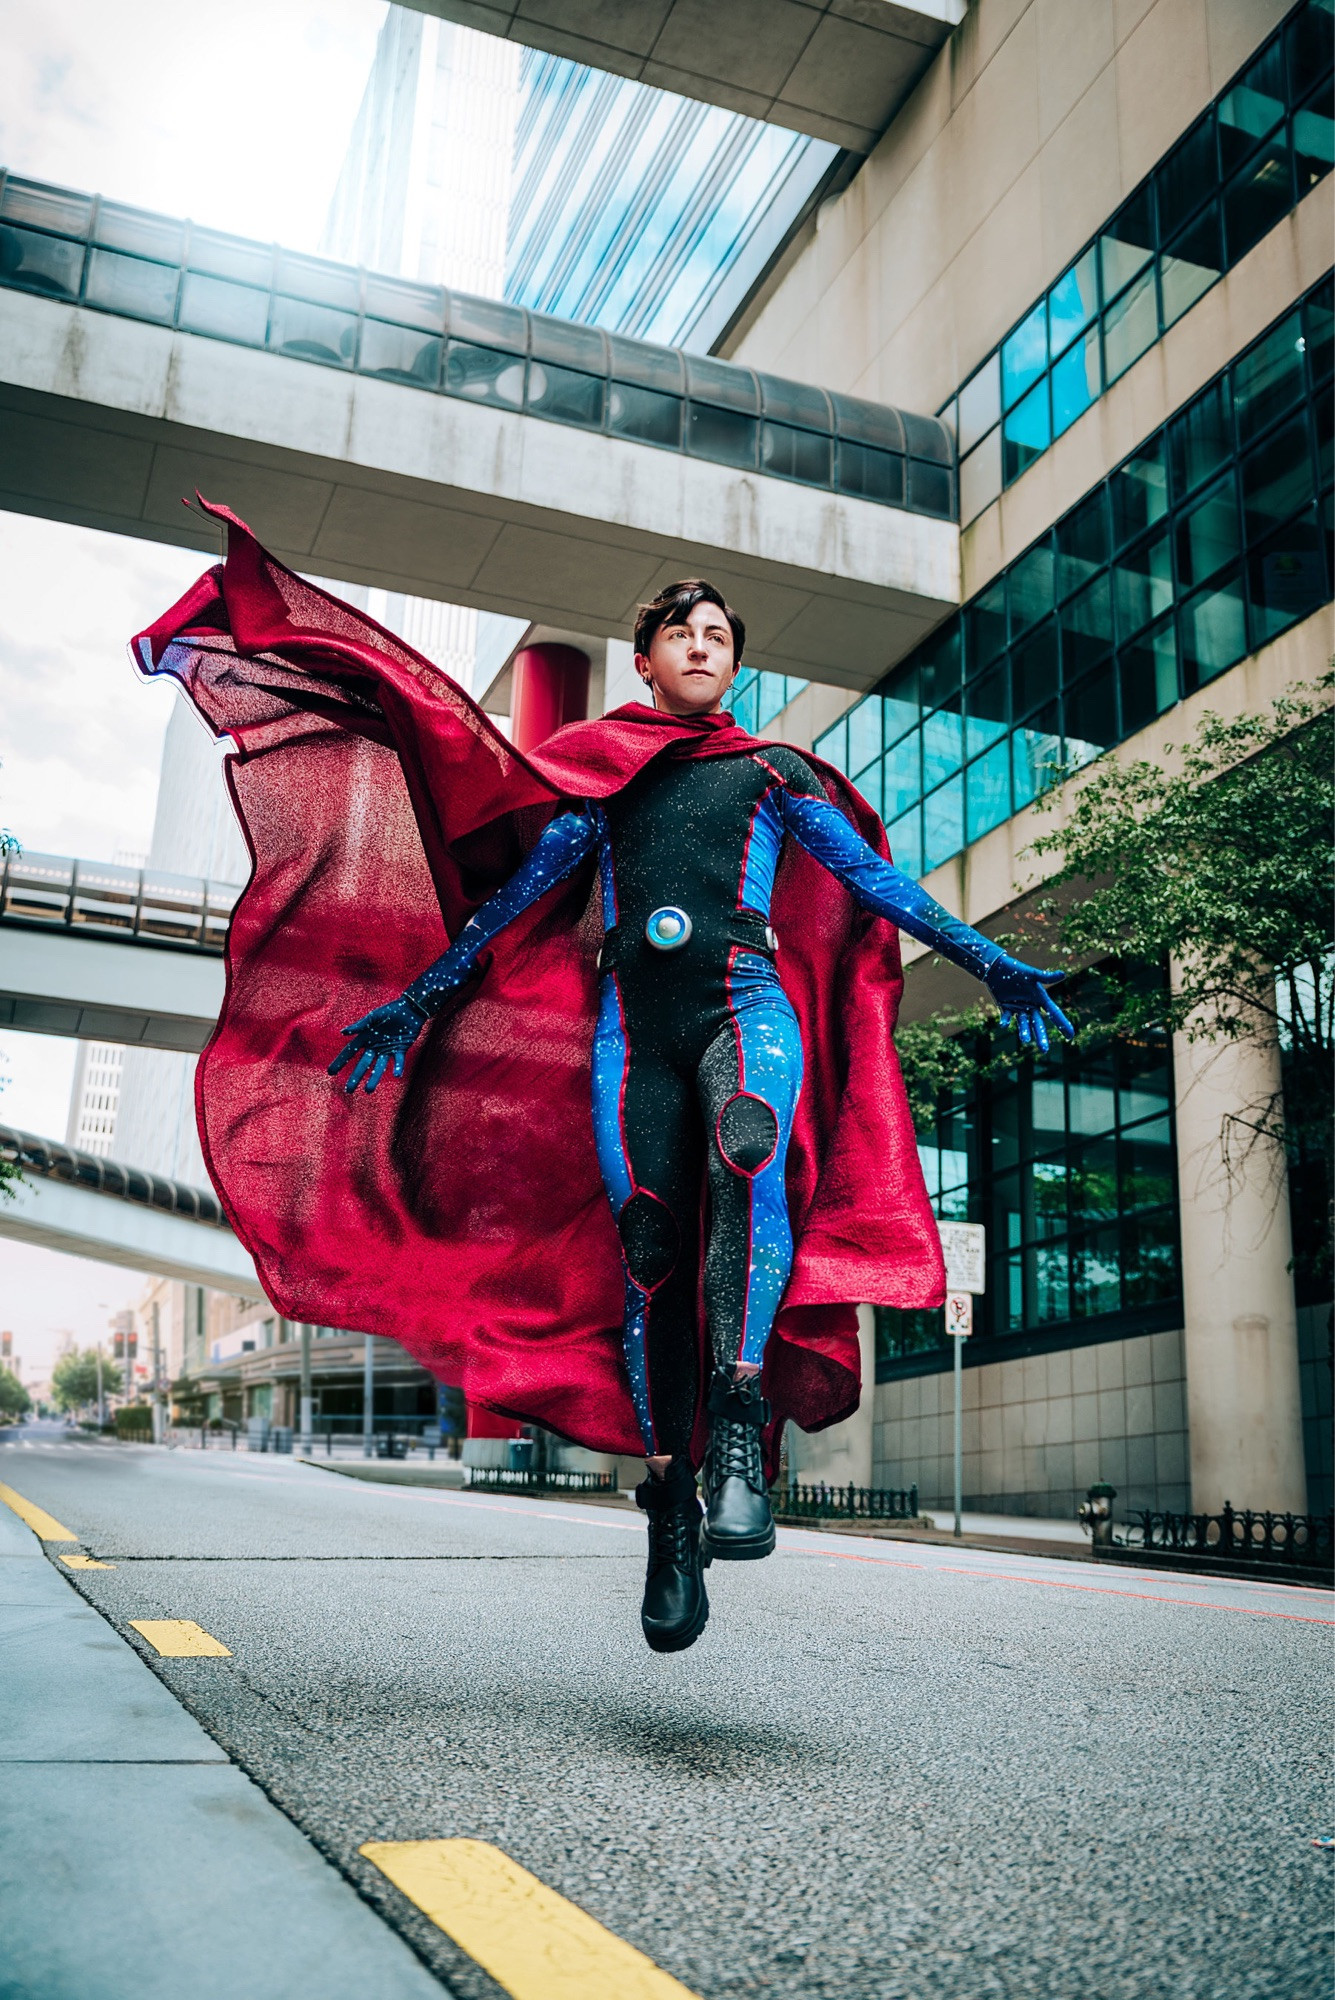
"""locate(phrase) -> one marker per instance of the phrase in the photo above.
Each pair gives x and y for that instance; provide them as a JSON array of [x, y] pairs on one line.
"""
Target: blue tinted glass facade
[[1259, 148], [1206, 543]]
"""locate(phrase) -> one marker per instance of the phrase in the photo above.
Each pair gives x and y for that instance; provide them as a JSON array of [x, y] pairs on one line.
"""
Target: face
[[690, 666]]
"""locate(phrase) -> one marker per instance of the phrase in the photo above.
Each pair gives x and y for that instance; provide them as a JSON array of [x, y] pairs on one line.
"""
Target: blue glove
[[380, 1038], [1021, 992]]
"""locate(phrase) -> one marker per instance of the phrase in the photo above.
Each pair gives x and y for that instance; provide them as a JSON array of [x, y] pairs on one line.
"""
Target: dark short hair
[[678, 601]]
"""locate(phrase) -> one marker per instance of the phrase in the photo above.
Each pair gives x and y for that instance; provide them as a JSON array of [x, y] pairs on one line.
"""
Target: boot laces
[[670, 1538], [737, 1453]]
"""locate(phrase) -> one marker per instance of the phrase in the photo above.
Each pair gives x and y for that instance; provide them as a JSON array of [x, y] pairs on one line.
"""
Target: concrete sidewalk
[[135, 1858]]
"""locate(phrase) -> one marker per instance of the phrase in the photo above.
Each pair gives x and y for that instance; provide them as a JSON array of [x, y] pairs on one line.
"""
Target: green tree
[[14, 1398], [74, 1379]]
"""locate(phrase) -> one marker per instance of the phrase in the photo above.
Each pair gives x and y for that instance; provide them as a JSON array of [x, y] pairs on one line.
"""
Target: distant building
[[95, 1098]]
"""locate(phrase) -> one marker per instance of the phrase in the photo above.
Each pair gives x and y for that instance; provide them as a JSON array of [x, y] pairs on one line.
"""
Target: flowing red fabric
[[461, 1212]]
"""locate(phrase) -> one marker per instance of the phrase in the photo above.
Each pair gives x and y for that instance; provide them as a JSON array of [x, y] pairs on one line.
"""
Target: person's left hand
[[1021, 992]]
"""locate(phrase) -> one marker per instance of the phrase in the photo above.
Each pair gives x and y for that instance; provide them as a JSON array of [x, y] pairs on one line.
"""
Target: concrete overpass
[[838, 69], [110, 954], [72, 1201], [454, 448]]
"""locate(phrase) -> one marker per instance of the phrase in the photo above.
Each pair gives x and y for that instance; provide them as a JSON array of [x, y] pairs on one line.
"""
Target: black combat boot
[[738, 1524], [675, 1606]]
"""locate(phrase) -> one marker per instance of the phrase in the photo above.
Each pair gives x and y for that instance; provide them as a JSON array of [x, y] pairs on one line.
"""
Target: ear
[[642, 666]]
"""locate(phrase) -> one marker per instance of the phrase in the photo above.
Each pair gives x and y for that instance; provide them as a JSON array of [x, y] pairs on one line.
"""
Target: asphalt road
[[885, 1772]]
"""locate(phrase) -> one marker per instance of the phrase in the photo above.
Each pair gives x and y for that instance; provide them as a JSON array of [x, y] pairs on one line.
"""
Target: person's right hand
[[380, 1038]]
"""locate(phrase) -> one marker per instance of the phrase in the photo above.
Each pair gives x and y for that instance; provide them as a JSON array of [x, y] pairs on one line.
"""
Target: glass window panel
[[868, 423], [986, 706], [1147, 671], [1186, 177], [987, 789], [1253, 108], [905, 837], [644, 414], [930, 490], [1207, 537], [228, 312], [565, 395], [1096, 1274], [1268, 379], [1323, 419], [793, 454], [795, 403], [313, 333], [1200, 440], [1309, 43], [1145, 1082], [1191, 263], [746, 706], [488, 323], [1050, 1275], [1025, 433], [900, 701], [1048, 1110], [129, 285], [1092, 1182], [722, 383], [833, 745], [1147, 1167], [927, 438], [45, 207], [1036, 756], [1031, 583], [1214, 631], [942, 745], [869, 474], [318, 281], [939, 667], [1007, 1147], [943, 824], [400, 354], [36, 263], [1139, 493], [903, 775], [986, 628], [1034, 668], [980, 403], [645, 366], [1286, 577], [869, 782], [1091, 716], [1082, 543], [1130, 325], [980, 478], [231, 257], [1076, 382], [1257, 198], [581, 348], [139, 233], [1142, 584], [1087, 628], [1276, 480], [1313, 145], [1010, 1290], [1319, 332], [1149, 1259], [484, 375], [402, 303], [1025, 355], [726, 436], [1127, 244], [1073, 303], [864, 735], [1093, 1098]]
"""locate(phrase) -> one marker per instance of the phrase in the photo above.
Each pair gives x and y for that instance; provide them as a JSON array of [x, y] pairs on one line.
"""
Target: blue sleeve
[[558, 851], [878, 885]]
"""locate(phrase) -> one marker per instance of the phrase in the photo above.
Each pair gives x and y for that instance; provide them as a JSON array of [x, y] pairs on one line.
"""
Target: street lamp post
[[101, 1398], [304, 1412], [368, 1396], [964, 1247]]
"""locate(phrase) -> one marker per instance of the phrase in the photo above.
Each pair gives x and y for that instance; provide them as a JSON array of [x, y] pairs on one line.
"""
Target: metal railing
[[104, 256], [797, 1502], [48, 1158], [103, 899], [537, 1479], [1235, 1536]]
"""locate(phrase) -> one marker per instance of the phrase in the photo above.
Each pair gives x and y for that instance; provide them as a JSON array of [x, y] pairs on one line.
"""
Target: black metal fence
[[1237, 1537], [845, 1503], [536, 1479]]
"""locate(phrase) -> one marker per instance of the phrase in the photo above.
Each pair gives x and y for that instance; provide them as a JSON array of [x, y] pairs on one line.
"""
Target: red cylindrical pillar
[[550, 688]]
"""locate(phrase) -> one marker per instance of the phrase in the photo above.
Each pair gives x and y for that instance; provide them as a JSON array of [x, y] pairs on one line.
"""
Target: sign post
[[964, 1247]]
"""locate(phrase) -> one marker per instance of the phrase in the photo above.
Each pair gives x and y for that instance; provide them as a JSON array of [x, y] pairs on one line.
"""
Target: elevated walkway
[[73, 1201], [451, 447]]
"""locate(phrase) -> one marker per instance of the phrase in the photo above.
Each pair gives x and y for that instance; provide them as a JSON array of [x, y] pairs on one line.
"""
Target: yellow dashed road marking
[[180, 1639], [85, 1562], [533, 1942], [44, 1525]]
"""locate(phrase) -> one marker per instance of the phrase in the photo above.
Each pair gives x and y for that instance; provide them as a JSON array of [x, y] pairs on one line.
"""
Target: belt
[[623, 945]]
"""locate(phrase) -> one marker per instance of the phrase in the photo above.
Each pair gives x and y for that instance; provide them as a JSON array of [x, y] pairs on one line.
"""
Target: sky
[[237, 116]]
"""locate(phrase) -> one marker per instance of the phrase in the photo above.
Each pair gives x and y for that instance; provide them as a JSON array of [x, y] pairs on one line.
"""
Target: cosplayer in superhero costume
[[700, 1004]]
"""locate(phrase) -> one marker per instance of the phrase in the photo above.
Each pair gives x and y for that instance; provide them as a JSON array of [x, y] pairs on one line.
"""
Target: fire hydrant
[[1095, 1513]]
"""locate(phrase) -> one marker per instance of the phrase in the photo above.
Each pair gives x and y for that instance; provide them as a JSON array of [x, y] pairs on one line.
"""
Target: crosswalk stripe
[[535, 1944], [180, 1639], [45, 1526]]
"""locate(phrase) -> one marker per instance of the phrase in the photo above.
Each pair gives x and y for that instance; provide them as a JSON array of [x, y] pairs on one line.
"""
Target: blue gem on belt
[[668, 929]]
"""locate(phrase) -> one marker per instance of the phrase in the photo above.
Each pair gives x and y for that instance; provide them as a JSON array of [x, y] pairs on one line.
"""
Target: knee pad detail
[[747, 1133], [650, 1239]]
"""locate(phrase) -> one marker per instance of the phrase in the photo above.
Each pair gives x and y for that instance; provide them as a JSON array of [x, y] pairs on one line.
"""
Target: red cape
[[461, 1212]]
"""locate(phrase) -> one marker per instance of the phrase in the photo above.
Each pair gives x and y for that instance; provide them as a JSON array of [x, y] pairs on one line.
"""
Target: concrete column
[[550, 688], [841, 1455], [1244, 1401]]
